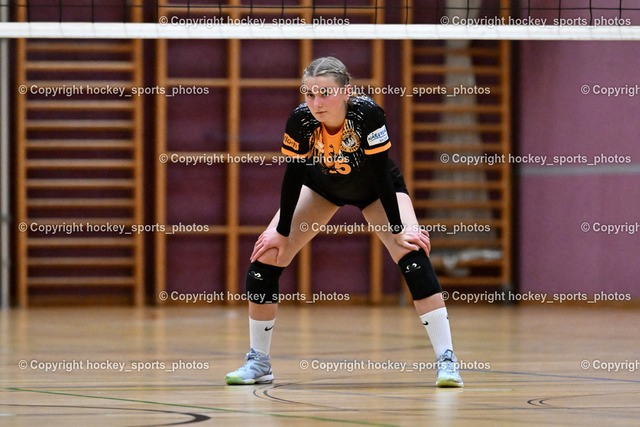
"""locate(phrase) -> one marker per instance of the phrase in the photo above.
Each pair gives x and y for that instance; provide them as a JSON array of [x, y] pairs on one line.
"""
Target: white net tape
[[74, 30]]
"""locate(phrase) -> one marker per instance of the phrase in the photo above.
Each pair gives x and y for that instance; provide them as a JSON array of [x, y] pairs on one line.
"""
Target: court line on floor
[[542, 402], [536, 374], [265, 392], [475, 405], [196, 417], [209, 408]]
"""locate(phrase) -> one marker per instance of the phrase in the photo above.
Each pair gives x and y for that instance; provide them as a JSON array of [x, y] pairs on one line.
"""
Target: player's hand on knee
[[414, 240], [269, 239], [424, 237]]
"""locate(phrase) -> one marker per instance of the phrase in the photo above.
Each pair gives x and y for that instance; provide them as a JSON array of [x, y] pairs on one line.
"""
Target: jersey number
[[341, 168]]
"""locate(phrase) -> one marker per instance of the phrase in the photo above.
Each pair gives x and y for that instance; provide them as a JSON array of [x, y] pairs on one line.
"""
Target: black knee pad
[[419, 275], [262, 283]]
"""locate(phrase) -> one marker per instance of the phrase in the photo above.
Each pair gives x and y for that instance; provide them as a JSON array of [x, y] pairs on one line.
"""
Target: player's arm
[[277, 238], [290, 193], [386, 191], [377, 146], [294, 146], [412, 239]]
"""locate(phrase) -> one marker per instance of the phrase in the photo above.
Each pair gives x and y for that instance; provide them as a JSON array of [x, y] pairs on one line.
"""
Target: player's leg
[[263, 275], [423, 285], [262, 285]]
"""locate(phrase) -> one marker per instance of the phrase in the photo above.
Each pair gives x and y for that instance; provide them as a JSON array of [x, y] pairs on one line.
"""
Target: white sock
[[260, 334], [436, 323]]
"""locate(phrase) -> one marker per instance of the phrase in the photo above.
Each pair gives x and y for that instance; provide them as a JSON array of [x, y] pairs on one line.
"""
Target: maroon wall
[[557, 118]]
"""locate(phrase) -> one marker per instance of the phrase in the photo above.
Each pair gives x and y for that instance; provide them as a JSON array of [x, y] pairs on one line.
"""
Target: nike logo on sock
[[425, 323], [268, 329]]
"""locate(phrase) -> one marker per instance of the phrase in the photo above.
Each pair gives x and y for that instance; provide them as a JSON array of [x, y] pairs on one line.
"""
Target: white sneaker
[[257, 370], [448, 375]]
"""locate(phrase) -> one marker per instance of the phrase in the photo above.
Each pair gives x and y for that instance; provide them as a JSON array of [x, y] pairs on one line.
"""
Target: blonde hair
[[328, 66]]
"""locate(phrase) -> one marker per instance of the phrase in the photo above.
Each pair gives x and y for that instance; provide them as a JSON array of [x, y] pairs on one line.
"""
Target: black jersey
[[338, 163]]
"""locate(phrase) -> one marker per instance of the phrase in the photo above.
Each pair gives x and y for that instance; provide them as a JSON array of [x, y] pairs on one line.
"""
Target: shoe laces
[[254, 355], [446, 360]]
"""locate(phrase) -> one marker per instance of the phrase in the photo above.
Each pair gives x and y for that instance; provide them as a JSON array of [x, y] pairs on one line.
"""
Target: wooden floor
[[527, 363]]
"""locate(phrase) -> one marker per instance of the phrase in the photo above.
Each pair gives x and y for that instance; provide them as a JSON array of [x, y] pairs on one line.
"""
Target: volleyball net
[[310, 19]]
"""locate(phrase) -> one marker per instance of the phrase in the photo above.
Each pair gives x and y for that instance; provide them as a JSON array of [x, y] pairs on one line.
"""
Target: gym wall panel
[[558, 119]]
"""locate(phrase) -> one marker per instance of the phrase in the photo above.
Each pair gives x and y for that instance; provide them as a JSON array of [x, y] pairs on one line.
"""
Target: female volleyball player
[[338, 143]]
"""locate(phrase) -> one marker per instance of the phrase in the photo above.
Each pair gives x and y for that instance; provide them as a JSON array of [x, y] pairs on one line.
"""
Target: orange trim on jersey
[[294, 154], [378, 149], [290, 142], [335, 139], [332, 144]]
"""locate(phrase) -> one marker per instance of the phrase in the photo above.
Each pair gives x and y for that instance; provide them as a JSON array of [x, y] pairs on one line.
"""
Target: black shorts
[[398, 185]]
